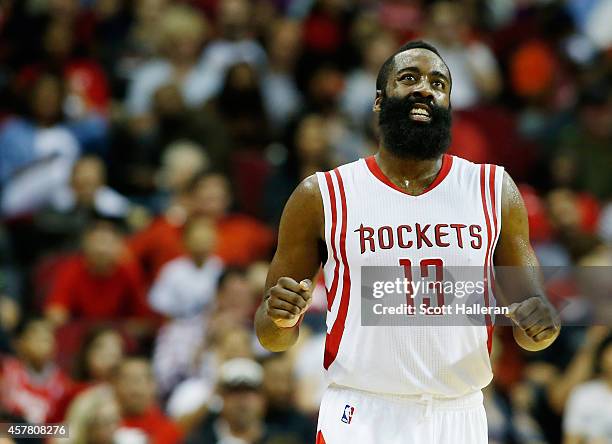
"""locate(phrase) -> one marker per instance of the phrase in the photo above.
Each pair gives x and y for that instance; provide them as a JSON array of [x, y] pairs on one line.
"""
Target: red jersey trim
[[488, 214], [492, 174], [447, 163], [331, 292], [320, 439], [332, 340]]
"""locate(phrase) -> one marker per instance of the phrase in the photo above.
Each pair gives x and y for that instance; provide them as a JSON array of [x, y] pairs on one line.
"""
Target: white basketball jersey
[[369, 221]]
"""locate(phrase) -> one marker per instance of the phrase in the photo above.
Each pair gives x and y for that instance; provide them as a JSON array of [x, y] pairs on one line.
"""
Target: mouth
[[420, 113]]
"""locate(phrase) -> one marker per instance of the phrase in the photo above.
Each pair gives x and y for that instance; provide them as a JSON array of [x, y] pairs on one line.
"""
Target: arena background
[[141, 137]]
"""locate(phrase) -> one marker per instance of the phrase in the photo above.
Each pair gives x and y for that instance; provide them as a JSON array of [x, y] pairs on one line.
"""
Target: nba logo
[[347, 416]]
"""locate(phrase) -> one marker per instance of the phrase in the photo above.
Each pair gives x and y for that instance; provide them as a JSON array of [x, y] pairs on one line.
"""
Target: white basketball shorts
[[349, 416]]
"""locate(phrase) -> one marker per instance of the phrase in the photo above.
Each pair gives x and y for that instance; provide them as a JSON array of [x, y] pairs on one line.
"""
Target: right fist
[[288, 300]]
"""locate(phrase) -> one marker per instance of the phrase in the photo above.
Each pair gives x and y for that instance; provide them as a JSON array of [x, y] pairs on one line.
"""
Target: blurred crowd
[[147, 148]]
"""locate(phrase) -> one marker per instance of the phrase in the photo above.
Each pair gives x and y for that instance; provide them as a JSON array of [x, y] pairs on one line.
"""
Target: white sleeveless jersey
[[371, 222]]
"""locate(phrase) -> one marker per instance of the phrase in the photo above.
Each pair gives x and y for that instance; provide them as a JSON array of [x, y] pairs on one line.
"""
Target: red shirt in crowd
[[153, 423], [240, 241], [31, 396], [85, 295]]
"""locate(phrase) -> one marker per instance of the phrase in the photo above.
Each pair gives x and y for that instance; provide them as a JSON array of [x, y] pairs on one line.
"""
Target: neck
[[199, 260], [406, 172], [35, 367]]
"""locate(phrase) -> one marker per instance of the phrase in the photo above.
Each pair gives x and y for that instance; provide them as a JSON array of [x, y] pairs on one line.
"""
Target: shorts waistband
[[468, 400]]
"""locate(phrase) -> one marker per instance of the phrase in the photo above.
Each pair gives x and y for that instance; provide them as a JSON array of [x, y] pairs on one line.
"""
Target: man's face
[[242, 407], [104, 423], [102, 246], [414, 110], [278, 382], [104, 353], [37, 344], [134, 387], [88, 176], [200, 238], [211, 197]]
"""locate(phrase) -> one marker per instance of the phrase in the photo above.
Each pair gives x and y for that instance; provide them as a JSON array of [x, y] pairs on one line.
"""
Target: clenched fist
[[537, 319], [288, 300]]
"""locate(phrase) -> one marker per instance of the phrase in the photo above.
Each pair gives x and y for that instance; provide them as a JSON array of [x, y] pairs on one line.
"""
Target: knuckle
[[284, 282]]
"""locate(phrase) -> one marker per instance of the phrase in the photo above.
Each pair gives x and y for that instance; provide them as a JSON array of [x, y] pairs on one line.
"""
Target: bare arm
[[578, 371], [536, 321], [289, 282]]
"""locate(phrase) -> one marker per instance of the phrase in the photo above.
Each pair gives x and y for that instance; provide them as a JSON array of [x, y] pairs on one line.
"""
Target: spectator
[[280, 388], [225, 340], [234, 45], [31, 383], [141, 418], [95, 420], [88, 190], [360, 90], [473, 65], [309, 152], [281, 96], [325, 33], [587, 415], [181, 162], [36, 152], [186, 286], [582, 147], [240, 106], [182, 33], [571, 215], [74, 205], [172, 121], [240, 238], [143, 39], [208, 339], [97, 284], [87, 90], [101, 351], [241, 416]]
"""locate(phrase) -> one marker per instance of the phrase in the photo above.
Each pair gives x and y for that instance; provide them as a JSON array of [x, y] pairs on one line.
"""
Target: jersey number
[[425, 265]]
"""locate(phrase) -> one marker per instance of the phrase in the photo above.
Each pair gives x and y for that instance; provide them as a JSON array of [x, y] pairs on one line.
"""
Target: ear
[[377, 101]]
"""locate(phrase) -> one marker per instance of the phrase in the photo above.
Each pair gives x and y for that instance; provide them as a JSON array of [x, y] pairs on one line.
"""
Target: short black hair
[[387, 67]]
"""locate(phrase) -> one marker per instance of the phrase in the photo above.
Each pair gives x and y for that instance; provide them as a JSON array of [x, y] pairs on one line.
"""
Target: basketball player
[[410, 204]]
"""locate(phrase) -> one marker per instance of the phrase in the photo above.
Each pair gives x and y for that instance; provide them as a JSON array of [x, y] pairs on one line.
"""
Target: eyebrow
[[415, 69]]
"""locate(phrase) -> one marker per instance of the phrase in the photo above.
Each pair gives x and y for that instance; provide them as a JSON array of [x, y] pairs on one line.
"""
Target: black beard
[[409, 139]]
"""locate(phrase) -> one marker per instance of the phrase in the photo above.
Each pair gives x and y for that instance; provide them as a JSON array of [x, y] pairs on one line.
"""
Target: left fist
[[537, 319]]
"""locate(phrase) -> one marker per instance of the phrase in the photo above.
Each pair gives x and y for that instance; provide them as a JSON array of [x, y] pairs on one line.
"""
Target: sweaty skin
[[289, 285]]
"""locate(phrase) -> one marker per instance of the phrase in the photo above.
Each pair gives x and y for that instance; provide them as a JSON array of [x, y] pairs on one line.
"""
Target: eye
[[438, 84], [407, 76]]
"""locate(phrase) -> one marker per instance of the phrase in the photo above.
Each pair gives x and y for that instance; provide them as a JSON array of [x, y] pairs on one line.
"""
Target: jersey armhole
[[327, 215]]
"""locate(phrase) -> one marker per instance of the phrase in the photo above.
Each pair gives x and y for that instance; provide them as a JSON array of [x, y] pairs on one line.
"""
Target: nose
[[423, 93], [422, 90]]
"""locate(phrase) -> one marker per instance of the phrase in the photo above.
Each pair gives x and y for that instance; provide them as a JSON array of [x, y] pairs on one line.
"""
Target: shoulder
[[179, 265], [72, 265], [309, 186], [463, 162], [304, 208], [152, 69], [511, 196], [584, 393]]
